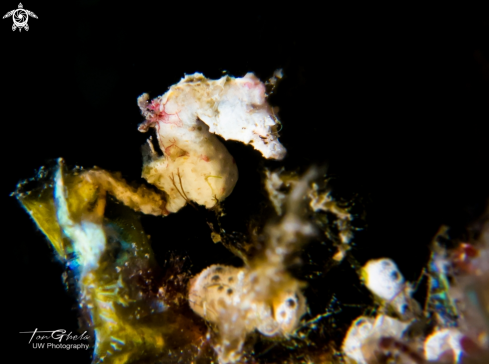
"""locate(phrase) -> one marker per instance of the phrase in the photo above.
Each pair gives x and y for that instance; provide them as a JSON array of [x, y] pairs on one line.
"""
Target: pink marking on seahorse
[[155, 105], [158, 114], [255, 85], [204, 158]]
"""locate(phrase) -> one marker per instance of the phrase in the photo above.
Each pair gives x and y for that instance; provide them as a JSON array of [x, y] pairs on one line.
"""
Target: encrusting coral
[[383, 278], [453, 327], [263, 295]]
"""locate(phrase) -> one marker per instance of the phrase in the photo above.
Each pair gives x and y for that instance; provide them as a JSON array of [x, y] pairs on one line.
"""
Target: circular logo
[[20, 17]]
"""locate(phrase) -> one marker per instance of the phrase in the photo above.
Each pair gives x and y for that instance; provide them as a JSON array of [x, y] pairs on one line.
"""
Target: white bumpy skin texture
[[196, 166]]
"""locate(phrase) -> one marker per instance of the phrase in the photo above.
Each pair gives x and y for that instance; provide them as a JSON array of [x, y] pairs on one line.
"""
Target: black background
[[394, 99]]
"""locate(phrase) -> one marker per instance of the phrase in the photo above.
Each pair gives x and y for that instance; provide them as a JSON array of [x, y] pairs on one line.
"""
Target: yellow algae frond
[[104, 246]]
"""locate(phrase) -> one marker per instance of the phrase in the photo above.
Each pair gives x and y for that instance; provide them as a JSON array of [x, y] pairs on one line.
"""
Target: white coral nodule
[[222, 288], [196, 166], [383, 278], [226, 297]]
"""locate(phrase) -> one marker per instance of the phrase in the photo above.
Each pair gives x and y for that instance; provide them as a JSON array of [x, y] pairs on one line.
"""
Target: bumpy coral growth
[[365, 333], [444, 344], [383, 278], [321, 200], [219, 289], [196, 166], [262, 295], [226, 297], [454, 326]]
